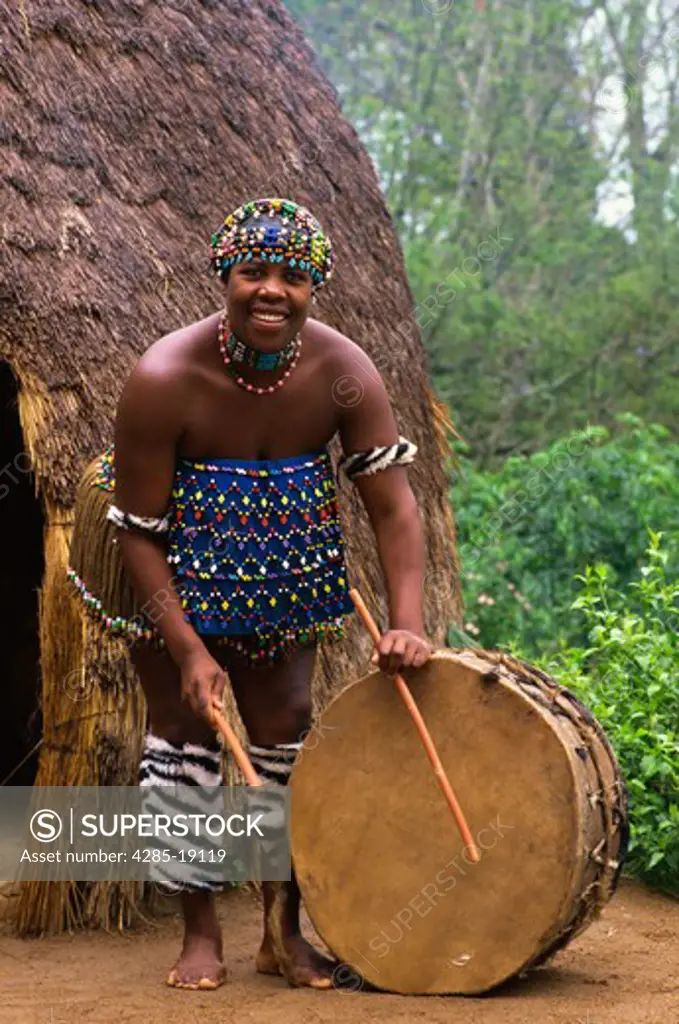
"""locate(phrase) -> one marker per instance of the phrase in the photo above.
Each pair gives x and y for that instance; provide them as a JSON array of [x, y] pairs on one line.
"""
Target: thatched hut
[[131, 127]]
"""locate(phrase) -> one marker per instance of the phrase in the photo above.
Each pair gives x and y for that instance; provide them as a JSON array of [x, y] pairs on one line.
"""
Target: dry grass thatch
[[131, 127]]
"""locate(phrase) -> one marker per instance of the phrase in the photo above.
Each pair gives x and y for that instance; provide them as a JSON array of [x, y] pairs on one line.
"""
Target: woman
[[228, 527]]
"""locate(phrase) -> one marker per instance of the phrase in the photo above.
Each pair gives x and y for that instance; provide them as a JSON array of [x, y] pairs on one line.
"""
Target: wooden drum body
[[380, 862]]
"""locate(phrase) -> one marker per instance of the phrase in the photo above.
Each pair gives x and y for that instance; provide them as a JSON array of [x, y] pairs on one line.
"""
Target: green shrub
[[628, 675], [526, 531]]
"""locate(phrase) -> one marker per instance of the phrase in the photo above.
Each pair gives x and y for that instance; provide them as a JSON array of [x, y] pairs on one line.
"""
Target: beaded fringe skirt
[[255, 548]]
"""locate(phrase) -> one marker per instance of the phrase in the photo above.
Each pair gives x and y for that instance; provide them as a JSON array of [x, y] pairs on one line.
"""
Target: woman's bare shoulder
[[339, 351], [343, 357], [168, 368], [180, 348]]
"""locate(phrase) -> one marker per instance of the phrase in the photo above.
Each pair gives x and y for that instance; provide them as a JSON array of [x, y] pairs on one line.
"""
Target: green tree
[[495, 136]]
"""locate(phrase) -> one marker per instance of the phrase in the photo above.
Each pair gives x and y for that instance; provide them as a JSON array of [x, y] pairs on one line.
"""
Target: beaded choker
[[241, 352], [229, 344]]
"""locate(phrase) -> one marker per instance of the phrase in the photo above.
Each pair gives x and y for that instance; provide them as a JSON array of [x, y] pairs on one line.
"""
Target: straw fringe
[[94, 720], [95, 553], [93, 710], [445, 433], [37, 416]]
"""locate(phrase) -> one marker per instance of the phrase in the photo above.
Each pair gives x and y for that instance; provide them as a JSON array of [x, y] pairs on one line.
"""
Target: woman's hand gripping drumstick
[[425, 736]]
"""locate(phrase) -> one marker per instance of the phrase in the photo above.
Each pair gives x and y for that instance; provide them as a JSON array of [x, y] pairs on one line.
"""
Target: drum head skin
[[380, 862]]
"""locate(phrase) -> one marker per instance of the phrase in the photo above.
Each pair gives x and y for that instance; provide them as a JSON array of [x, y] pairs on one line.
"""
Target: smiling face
[[267, 303]]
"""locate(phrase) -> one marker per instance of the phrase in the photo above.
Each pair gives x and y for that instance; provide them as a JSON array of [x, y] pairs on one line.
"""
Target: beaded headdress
[[295, 237]]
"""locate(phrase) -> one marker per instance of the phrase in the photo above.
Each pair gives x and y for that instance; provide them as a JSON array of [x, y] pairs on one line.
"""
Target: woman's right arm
[[149, 424]]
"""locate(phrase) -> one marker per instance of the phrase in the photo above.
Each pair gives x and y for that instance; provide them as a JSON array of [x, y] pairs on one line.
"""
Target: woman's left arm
[[366, 425]]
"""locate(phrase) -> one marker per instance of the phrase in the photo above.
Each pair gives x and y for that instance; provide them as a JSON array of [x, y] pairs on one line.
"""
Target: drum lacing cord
[[582, 723], [560, 701], [595, 854], [550, 695]]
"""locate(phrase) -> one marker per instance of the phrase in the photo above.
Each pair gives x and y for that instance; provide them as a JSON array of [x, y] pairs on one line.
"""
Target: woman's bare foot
[[200, 964], [284, 950], [299, 962]]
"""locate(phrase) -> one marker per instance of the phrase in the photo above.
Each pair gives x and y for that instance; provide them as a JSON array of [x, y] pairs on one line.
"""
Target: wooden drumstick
[[425, 735], [234, 744]]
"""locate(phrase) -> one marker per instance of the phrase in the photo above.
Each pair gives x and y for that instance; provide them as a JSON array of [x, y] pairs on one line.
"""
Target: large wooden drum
[[381, 865]]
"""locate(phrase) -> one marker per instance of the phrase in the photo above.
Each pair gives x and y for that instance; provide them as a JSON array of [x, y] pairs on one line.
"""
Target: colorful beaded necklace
[[228, 343]]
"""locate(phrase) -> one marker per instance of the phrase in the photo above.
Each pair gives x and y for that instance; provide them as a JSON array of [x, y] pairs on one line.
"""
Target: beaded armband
[[129, 521], [376, 459]]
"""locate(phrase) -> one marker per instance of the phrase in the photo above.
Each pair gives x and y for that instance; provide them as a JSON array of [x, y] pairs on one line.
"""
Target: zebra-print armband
[[376, 459], [129, 521]]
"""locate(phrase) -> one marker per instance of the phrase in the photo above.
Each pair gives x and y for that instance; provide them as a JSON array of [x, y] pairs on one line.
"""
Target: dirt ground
[[624, 969]]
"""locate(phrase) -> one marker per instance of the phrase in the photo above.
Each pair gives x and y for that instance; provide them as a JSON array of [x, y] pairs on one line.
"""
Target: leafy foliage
[[628, 675], [528, 529]]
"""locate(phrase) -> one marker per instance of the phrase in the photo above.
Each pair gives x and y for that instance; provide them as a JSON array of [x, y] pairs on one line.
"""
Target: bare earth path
[[625, 969]]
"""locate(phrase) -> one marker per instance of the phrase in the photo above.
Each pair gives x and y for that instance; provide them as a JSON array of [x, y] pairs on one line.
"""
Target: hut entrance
[[21, 569]]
